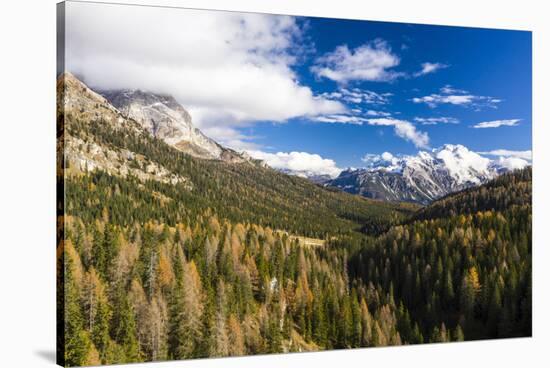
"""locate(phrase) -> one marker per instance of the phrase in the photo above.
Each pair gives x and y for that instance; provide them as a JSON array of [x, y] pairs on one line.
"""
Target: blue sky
[[483, 62], [311, 94]]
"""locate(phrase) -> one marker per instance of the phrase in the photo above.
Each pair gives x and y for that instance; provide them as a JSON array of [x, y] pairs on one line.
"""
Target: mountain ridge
[[104, 149], [165, 118], [422, 178]]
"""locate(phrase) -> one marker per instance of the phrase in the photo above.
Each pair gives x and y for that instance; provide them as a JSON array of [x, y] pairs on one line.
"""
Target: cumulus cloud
[[525, 155], [513, 163], [225, 68], [372, 61], [386, 159], [510, 159], [298, 163], [452, 96], [436, 120], [387, 156], [496, 123], [405, 130], [428, 68]]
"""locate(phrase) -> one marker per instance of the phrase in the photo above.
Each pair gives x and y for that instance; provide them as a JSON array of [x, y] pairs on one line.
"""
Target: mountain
[[508, 192], [163, 117], [249, 260], [105, 149], [149, 234], [421, 178], [80, 109]]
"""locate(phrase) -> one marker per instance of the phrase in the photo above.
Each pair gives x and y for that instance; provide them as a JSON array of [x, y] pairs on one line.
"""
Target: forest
[[213, 266], [151, 291]]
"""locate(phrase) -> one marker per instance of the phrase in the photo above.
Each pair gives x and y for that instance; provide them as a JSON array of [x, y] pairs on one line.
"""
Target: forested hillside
[[110, 162], [239, 192], [506, 191], [462, 267], [165, 256]]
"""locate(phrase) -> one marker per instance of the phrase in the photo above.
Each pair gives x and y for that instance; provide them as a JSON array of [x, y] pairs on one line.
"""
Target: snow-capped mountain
[[420, 178], [166, 119]]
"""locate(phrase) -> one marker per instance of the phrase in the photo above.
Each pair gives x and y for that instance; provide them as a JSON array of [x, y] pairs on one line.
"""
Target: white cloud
[[387, 156], [510, 159], [227, 68], [375, 160], [358, 96], [378, 113], [496, 123], [513, 163], [525, 155], [436, 120], [452, 96], [298, 163], [428, 68], [402, 128], [341, 119], [231, 137], [385, 160], [405, 130], [435, 99], [369, 62], [450, 90]]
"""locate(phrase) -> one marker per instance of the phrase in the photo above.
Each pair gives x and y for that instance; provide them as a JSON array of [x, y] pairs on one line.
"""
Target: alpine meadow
[[234, 184]]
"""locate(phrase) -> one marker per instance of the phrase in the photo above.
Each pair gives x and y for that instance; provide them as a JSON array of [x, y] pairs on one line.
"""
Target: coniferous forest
[[238, 259]]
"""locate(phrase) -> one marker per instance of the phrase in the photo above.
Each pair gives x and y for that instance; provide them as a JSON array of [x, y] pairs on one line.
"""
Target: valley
[[176, 247]]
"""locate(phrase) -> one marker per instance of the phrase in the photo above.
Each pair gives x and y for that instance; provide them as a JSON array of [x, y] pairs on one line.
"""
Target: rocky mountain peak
[[159, 114], [72, 92], [166, 119]]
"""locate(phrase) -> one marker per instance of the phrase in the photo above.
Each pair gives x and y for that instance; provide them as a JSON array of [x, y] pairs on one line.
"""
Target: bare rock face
[[77, 99], [163, 117], [78, 104]]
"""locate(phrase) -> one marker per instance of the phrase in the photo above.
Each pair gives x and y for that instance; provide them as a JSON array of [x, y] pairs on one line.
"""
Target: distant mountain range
[[422, 178]]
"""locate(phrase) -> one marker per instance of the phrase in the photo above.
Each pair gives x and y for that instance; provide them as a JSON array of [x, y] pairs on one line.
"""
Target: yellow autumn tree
[[473, 279], [236, 338], [165, 272]]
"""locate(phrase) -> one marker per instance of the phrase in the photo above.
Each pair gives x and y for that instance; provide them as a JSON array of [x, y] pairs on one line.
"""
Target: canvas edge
[[60, 187]]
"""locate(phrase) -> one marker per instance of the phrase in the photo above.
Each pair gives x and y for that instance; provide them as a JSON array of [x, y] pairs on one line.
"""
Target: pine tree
[[458, 334], [123, 327], [77, 341], [219, 339]]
